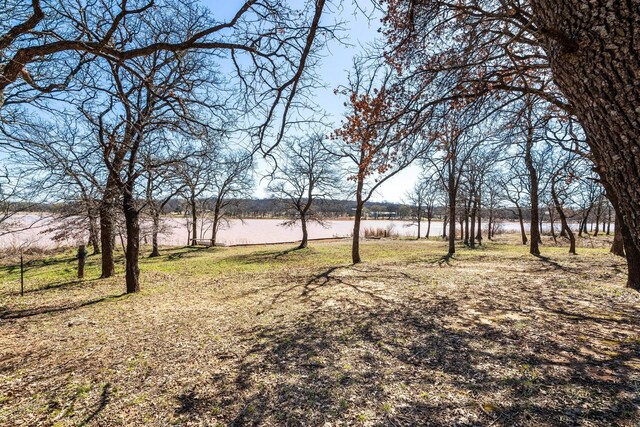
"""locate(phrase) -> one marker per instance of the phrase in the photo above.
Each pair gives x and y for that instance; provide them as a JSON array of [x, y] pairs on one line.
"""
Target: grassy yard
[[267, 336]]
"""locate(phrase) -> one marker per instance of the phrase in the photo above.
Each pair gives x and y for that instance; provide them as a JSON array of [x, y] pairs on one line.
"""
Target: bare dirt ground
[[268, 336]]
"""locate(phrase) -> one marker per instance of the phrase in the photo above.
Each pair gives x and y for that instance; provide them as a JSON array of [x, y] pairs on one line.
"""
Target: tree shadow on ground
[[12, 314], [360, 356]]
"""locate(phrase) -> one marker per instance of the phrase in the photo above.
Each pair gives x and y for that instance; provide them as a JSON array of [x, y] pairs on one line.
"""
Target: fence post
[[82, 255]]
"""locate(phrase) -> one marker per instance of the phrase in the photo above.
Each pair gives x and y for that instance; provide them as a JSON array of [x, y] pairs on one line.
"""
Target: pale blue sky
[[335, 65]]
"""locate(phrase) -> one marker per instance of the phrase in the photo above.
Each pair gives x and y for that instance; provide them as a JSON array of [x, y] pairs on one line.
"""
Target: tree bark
[[107, 223], [594, 59], [194, 223], [94, 240], [563, 218], [155, 227], [534, 247], [479, 214], [522, 232], [305, 234], [355, 247], [132, 253], [452, 217], [472, 221]]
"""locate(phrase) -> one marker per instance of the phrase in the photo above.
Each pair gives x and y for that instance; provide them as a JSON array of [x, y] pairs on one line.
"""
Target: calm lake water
[[236, 232]]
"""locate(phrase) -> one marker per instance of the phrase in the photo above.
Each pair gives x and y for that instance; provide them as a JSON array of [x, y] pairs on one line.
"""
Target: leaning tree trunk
[[132, 253], [593, 51], [563, 218], [521, 219]]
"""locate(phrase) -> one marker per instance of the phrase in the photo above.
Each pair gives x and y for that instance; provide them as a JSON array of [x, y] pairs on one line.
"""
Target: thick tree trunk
[[594, 59], [133, 243], [428, 224], [608, 220]]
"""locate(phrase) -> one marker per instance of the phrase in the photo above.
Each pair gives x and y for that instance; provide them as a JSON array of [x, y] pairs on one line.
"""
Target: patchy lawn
[[266, 336]]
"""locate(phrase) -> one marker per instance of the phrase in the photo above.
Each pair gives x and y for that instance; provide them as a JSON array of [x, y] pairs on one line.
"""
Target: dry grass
[[266, 336]]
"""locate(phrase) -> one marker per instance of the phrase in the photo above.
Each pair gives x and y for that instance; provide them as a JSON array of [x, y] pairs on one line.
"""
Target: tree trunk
[[467, 209], [452, 218], [93, 234], [216, 222], [551, 224], [596, 66], [305, 233], [608, 220], [429, 215], [472, 221], [522, 232], [617, 247], [155, 227], [107, 222], [133, 242], [355, 247], [419, 222], [444, 227], [534, 247], [563, 218], [194, 223], [479, 214]]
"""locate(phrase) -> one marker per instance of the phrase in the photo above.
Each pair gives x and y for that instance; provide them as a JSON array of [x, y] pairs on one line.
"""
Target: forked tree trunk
[[594, 59]]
